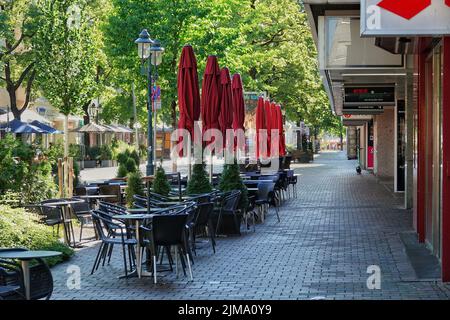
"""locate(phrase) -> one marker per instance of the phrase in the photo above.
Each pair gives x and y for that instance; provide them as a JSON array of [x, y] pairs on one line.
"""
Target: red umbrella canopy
[[226, 103], [238, 102], [260, 125], [211, 95], [268, 117], [281, 128], [188, 90]]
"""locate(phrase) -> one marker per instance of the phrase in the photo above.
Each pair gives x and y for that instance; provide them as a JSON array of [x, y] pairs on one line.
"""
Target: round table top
[[62, 202], [133, 216], [27, 255], [97, 196], [144, 210]]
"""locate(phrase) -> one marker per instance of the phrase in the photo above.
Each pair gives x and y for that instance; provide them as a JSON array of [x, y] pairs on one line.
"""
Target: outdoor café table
[[97, 197], [143, 210], [25, 257], [64, 204], [137, 219]]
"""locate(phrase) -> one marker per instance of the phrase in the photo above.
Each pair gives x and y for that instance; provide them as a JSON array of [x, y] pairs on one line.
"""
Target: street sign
[[405, 17]]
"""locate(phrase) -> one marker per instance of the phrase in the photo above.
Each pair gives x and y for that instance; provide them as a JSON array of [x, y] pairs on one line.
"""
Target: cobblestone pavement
[[339, 224]]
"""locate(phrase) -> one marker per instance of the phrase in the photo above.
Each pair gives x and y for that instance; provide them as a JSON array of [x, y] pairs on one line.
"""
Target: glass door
[[433, 150]]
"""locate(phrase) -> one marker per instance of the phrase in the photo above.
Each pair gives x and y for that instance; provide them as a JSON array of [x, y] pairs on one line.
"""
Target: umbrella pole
[[189, 159], [210, 167]]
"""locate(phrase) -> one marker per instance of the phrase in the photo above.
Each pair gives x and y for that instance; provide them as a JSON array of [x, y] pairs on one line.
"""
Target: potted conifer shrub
[[134, 187], [199, 182], [230, 181], [160, 183]]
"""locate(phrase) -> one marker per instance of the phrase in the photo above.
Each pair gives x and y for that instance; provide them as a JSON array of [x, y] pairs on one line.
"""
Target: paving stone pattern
[[338, 226]]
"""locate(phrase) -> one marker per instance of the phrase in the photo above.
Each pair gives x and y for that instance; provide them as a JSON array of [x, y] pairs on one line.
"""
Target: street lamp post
[[151, 51]]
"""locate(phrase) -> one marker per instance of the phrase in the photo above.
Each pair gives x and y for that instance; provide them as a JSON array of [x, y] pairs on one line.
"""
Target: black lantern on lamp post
[[150, 51]]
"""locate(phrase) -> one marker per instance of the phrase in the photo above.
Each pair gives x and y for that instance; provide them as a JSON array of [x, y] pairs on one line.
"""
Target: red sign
[[370, 157], [407, 9]]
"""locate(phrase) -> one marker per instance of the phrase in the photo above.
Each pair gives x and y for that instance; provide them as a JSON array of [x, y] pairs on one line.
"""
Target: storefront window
[[346, 48]]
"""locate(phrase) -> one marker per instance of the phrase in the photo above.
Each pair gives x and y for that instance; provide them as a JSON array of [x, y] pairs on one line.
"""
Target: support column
[[409, 154], [446, 163], [421, 134]]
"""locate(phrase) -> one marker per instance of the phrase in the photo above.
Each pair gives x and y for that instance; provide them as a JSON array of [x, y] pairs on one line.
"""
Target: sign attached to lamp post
[[405, 18]]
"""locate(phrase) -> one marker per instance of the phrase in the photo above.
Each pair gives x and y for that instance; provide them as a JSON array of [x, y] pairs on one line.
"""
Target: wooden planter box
[[302, 156], [90, 164], [230, 225], [107, 163]]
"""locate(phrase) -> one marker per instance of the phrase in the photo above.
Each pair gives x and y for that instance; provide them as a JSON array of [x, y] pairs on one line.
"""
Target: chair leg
[[189, 266], [81, 228], [154, 268], [176, 260], [125, 259], [105, 253], [278, 213], [110, 253], [96, 258]]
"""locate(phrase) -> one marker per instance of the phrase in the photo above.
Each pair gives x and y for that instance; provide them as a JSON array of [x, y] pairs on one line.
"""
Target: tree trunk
[[299, 136]]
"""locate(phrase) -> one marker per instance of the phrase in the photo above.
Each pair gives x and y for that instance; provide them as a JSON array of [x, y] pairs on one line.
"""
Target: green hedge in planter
[[20, 228], [161, 184], [231, 180], [134, 187], [199, 182]]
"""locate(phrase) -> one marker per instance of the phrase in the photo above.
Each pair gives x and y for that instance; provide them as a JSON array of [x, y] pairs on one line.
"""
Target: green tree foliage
[[268, 41], [199, 182], [23, 172], [231, 180], [18, 23], [161, 184], [23, 229], [134, 187]]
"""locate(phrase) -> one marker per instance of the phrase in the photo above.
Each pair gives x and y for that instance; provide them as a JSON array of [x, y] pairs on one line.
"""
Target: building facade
[[386, 70]]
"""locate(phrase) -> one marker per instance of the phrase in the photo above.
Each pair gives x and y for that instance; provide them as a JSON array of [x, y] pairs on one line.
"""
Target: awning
[[17, 126], [118, 128], [94, 128], [27, 116], [45, 127]]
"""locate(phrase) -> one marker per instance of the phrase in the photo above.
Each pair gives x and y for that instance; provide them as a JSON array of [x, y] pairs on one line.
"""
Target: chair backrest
[[111, 190], [80, 191], [80, 207], [265, 189], [231, 201], [111, 209], [98, 224], [203, 213], [50, 213], [169, 229]]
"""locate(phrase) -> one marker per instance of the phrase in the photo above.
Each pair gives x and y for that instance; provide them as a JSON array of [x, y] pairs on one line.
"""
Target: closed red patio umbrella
[[226, 103], [277, 123], [238, 102], [188, 90], [238, 107], [211, 94], [260, 125], [268, 121]]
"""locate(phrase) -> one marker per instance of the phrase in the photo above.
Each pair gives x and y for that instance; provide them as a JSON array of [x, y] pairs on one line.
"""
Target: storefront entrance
[[433, 150]]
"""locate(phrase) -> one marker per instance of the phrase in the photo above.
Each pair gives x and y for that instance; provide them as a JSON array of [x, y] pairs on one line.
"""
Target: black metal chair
[[109, 239], [111, 190], [82, 211], [229, 210], [266, 198], [11, 279], [167, 230], [203, 224], [293, 182]]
